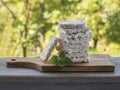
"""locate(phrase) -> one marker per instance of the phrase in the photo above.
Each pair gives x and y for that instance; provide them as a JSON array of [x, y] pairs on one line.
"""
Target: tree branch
[[13, 15], [24, 33]]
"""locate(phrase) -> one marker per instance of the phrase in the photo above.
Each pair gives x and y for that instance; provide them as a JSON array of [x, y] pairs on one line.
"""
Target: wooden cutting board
[[98, 62]]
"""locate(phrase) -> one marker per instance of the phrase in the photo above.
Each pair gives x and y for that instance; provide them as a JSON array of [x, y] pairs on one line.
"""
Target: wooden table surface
[[31, 75]]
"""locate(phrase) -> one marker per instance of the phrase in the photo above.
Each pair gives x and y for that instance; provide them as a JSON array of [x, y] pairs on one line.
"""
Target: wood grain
[[98, 62]]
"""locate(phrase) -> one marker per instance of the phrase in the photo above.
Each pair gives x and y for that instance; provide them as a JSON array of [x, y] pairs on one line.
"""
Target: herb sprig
[[61, 60]]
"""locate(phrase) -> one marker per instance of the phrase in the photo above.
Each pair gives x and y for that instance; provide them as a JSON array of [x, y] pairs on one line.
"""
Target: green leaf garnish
[[61, 60], [62, 54], [54, 60]]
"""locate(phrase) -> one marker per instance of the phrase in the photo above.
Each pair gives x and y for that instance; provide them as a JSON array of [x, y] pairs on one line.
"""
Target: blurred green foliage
[[26, 26]]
